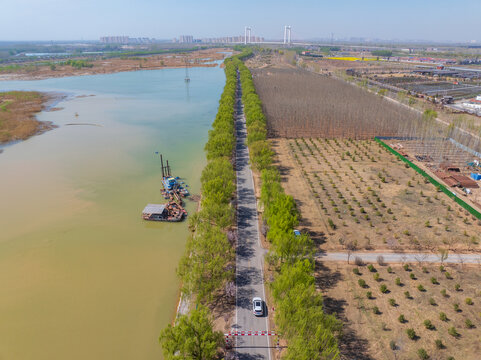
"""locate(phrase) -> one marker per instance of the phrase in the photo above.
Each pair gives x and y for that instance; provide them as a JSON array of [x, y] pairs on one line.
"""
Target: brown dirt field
[[368, 335], [372, 199], [17, 115], [199, 58]]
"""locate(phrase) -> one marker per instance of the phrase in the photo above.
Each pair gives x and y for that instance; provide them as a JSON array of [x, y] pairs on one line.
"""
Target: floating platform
[[170, 212], [173, 190]]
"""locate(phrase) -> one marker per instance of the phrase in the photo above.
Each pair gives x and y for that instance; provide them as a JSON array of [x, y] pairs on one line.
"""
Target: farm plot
[[405, 311], [298, 103], [356, 194]]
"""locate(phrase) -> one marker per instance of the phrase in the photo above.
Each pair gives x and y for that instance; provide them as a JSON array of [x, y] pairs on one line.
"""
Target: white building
[[473, 104]]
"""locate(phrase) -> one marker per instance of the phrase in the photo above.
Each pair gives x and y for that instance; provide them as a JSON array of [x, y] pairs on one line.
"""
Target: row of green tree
[[78, 64], [383, 53], [204, 267], [207, 265], [153, 51], [311, 333]]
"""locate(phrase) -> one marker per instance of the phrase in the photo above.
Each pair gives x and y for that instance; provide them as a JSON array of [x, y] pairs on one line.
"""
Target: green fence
[[440, 186]]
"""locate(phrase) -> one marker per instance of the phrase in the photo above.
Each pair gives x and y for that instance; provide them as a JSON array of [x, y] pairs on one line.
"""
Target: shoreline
[[50, 100], [18, 116], [201, 58], [27, 77]]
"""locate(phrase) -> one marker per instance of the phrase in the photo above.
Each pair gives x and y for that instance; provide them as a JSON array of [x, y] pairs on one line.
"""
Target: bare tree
[[380, 260], [461, 260], [230, 289], [443, 255], [350, 247], [420, 258], [232, 236], [393, 244]]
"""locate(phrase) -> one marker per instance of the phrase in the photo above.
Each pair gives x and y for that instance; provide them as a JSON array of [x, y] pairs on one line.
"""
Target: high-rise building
[[114, 39], [232, 39], [186, 39]]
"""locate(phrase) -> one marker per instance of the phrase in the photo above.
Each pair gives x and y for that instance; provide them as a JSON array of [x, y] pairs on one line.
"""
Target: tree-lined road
[[249, 253]]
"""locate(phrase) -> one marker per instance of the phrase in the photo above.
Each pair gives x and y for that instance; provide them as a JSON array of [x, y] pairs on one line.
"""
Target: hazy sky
[[386, 19]]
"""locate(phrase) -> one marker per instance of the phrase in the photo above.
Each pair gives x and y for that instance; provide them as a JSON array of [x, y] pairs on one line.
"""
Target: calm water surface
[[81, 275]]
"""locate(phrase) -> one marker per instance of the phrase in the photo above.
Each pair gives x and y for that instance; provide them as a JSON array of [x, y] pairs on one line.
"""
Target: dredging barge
[[170, 212], [173, 190]]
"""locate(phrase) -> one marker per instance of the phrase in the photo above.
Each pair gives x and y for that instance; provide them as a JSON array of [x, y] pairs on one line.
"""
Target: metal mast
[[187, 78]]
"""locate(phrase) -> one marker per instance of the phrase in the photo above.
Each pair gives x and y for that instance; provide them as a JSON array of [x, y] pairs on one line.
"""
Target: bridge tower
[[287, 35], [247, 35]]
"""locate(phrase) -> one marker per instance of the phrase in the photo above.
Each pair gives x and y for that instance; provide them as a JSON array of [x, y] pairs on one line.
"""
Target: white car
[[257, 306]]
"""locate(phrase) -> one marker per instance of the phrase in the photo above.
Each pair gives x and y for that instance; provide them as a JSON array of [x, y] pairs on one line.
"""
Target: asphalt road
[[249, 254], [402, 257]]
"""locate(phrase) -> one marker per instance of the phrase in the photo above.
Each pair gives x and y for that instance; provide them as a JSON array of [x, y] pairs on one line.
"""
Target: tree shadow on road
[[239, 356], [248, 276]]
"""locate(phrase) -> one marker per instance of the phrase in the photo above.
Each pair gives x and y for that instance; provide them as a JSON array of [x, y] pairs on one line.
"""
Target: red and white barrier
[[252, 333], [233, 334]]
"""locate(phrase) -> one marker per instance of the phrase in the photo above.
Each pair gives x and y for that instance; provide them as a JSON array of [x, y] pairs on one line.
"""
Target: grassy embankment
[[309, 332], [17, 115]]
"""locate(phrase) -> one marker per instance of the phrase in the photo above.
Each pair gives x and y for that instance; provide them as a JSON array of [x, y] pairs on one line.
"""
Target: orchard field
[[392, 312], [355, 194]]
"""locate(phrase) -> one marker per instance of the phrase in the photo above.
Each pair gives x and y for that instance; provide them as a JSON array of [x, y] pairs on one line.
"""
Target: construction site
[[452, 163]]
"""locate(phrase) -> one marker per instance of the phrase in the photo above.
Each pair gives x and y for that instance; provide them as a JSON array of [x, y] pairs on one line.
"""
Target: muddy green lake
[[82, 276]]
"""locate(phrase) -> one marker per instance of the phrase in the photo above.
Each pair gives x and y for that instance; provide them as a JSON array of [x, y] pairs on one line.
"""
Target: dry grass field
[[374, 328], [298, 103], [17, 115], [357, 193]]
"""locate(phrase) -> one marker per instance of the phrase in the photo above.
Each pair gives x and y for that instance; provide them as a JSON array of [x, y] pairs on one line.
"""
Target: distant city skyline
[[439, 21]]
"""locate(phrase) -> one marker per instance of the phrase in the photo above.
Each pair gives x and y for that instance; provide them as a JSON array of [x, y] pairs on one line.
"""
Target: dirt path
[[400, 257]]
